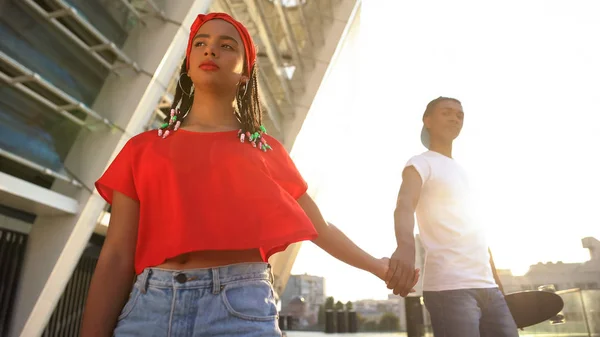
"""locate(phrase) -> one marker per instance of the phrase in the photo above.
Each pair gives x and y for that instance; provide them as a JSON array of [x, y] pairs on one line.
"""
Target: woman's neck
[[211, 111]]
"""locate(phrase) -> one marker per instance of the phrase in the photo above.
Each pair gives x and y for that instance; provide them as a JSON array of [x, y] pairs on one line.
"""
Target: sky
[[528, 75]]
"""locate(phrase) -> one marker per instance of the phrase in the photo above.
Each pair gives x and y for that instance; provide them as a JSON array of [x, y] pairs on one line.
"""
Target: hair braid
[[250, 112], [184, 98]]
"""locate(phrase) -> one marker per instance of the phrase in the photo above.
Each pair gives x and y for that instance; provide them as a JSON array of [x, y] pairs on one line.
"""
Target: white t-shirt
[[456, 248]]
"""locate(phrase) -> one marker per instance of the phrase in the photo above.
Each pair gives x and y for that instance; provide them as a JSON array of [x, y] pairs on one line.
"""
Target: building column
[[56, 242]]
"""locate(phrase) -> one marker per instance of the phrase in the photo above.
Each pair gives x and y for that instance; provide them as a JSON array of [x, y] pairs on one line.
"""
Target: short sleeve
[[284, 171], [118, 176], [422, 166]]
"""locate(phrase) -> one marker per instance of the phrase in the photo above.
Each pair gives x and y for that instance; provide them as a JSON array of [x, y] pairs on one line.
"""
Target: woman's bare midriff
[[211, 258]]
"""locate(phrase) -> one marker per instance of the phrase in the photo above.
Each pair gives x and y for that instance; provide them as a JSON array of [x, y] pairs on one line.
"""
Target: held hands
[[401, 276], [383, 269]]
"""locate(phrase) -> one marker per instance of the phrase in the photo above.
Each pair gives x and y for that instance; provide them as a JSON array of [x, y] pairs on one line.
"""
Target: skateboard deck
[[533, 307]]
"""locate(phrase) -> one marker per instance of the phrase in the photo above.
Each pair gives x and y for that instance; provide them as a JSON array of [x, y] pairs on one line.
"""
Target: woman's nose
[[209, 51]]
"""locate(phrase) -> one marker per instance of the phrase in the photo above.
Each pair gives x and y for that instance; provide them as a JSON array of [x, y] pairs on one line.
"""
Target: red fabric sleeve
[[284, 171], [118, 176]]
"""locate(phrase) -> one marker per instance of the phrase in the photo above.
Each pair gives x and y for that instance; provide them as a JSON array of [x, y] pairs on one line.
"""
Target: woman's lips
[[209, 66]]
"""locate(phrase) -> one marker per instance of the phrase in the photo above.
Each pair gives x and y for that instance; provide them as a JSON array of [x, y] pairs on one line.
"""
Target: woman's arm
[[114, 272], [338, 245]]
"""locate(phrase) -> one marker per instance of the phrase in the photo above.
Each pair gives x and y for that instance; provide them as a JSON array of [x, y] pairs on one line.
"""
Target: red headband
[[249, 47]]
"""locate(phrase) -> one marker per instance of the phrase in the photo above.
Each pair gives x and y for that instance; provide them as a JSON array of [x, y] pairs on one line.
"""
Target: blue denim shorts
[[233, 300]]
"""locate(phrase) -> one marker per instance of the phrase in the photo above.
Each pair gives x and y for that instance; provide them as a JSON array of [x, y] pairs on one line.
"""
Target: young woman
[[199, 206]]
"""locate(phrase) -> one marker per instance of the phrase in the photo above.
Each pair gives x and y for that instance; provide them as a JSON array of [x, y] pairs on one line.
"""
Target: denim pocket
[[250, 300], [128, 308]]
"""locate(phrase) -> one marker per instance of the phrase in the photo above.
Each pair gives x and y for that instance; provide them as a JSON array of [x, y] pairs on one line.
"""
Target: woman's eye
[[198, 44], [226, 46]]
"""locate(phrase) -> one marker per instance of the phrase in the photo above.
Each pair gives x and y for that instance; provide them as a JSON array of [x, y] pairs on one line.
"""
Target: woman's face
[[217, 57]]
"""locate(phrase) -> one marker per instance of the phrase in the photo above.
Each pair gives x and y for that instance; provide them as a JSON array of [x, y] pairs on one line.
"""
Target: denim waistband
[[215, 278]]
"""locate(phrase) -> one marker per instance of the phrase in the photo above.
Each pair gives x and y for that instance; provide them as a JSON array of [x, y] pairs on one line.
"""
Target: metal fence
[[12, 250], [66, 319]]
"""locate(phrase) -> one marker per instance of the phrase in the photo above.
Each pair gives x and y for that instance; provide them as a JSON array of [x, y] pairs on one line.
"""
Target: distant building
[[563, 276], [372, 310], [302, 297], [296, 308]]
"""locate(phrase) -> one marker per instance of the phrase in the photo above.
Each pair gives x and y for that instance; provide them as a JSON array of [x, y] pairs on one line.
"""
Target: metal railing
[[101, 44], [39, 168], [66, 318], [25, 75], [12, 251]]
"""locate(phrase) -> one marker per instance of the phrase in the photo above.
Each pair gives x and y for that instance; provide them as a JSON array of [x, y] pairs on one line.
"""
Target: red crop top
[[206, 191]]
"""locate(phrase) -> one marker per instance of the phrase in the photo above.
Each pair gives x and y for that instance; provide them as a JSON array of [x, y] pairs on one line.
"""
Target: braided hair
[[248, 108]]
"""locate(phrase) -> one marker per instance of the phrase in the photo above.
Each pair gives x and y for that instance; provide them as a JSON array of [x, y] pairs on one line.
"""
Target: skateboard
[[533, 307]]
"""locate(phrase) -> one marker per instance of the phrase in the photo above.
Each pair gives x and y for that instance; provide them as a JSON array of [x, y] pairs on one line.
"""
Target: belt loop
[[216, 281], [143, 280]]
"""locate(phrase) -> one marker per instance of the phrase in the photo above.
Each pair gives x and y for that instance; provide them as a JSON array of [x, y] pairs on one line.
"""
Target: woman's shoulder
[[142, 139], [274, 142]]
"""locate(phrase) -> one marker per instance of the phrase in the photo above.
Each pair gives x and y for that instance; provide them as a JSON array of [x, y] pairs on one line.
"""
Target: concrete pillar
[[57, 242]]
